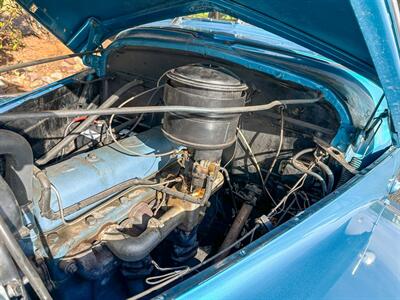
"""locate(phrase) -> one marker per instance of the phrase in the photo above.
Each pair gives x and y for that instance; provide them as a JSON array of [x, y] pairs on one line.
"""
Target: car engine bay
[[128, 205]]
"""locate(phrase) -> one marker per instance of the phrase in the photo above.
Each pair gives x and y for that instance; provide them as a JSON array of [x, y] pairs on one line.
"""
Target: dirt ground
[[37, 76]]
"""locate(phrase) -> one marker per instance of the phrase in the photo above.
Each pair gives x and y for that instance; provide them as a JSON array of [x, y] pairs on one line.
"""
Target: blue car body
[[347, 245]]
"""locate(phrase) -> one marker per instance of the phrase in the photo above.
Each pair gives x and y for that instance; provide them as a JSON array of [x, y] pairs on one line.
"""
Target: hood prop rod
[[10, 116], [45, 61]]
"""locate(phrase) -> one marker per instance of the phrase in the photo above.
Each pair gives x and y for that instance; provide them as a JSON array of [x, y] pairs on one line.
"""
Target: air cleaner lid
[[208, 77]]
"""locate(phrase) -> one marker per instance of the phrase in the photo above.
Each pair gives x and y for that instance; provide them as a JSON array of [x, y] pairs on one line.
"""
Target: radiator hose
[[18, 165]]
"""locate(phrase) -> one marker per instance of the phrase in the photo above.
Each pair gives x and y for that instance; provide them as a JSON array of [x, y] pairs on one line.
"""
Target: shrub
[[10, 34]]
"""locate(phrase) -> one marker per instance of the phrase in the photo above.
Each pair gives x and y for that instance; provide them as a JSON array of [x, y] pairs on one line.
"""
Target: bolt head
[[13, 289], [123, 199], [91, 157], [68, 267], [90, 220], [52, 237]]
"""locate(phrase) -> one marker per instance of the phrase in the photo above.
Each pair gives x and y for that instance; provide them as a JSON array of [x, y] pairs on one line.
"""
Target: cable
[[66, 131], [60, 204], [253, 157], [125, 149], [296, 187], [162, 76], [53, 152], [255, 162], [134, 97], [300, 182], [150, 99], [301, 167], [10, 116], [231, 190], [139, 119], [192, 269], [68, 127], [153, 280], [227, 177], [279, 148], [155, 89], [289, 207], [164, 197], [232, 157]]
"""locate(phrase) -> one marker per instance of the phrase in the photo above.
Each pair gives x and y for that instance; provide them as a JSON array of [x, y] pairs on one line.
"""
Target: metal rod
[[371, 117], [300, 123], [151, 109], [45, 61], [236, 228], [22, 261], [53, 152]]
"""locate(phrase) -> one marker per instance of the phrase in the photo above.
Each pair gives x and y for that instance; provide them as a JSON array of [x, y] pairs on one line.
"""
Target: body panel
[[380, 28], [352, 95], [313, 24], [346, 246]]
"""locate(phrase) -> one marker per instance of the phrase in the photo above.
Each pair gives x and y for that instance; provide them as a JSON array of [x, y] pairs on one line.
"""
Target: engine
[[119, 231], [133, 201]]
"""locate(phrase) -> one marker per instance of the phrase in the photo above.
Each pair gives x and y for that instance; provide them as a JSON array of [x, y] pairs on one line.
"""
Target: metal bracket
[[335, 154], [88, 37]]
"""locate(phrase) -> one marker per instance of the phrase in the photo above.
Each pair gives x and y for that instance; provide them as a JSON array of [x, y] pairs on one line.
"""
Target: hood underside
[[360, 35], [328, 27]]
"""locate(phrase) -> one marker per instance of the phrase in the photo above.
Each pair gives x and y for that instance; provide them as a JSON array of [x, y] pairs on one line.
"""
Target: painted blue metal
[[236, 51], [377, 22], [228, 31], [312, 24], [95, 171], [344, 247], [275, 56], [319, 74], [248, 38]]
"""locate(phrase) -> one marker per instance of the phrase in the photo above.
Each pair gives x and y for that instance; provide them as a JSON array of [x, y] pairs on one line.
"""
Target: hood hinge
[[88, 37]]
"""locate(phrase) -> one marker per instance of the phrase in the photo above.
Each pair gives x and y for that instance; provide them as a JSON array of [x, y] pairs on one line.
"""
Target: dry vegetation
[[23, 39]]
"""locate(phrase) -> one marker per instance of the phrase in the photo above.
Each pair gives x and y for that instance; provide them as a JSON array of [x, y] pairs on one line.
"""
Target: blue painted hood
[[328, 27]]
